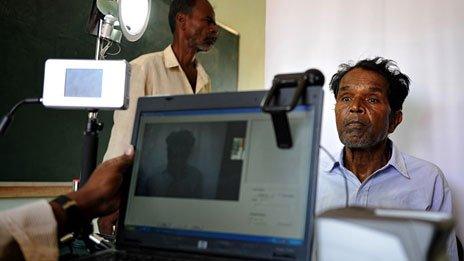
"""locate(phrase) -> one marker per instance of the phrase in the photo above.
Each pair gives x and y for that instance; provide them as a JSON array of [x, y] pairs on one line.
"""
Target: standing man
[[173, 71], [371, 171]]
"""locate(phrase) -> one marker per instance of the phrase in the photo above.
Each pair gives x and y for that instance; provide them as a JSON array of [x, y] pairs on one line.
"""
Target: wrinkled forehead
[[362, 78]]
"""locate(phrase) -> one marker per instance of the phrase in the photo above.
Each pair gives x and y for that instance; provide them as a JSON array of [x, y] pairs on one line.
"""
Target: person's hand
[[107, 224], [100, 196]]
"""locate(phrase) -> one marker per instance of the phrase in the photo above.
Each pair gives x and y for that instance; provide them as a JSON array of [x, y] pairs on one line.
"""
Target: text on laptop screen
[[220, 174]]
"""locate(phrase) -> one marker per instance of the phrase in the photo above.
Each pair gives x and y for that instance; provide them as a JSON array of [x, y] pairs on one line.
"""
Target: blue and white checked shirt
[[405, 182]]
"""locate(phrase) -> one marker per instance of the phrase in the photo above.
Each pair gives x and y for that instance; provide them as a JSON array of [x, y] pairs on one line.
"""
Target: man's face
[[362, 110], [200, 25], [178, 155]]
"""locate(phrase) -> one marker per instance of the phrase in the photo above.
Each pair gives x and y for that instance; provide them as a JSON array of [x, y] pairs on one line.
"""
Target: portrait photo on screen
[[200, 160], [83, 83]]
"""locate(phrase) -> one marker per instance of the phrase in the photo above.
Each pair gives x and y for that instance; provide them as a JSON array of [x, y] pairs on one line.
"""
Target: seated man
[[371, 171]]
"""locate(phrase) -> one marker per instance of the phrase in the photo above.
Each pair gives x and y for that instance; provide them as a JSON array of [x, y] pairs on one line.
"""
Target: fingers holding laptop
[[106, 224], [100, 196]]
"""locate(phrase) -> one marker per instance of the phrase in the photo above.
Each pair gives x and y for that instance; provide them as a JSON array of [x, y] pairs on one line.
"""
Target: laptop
[[209, 182]]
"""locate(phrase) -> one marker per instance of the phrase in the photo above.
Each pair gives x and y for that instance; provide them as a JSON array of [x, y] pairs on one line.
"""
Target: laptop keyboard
[[163, 256], [134, 257]]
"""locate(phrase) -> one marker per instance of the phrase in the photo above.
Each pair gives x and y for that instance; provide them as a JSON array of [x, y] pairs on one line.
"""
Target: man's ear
[[180, 21], [395, 120]]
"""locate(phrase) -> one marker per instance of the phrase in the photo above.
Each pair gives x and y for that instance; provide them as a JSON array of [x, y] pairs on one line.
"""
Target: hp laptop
[[209, 182]]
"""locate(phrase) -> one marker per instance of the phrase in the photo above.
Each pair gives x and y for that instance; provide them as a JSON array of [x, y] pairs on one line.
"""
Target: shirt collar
[[396, 161], [170, 59], [333, 164]]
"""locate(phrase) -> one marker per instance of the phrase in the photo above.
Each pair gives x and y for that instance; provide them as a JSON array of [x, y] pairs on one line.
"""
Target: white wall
[[425, 37]]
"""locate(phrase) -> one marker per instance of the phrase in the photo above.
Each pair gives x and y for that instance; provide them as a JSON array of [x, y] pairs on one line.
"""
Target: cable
[[6, 120], [25, 101], [107, 45], [118, 51], [344, 175], [105, 50], [328, 153]]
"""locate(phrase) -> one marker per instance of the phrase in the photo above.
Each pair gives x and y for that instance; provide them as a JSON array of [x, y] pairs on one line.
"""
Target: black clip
[[269, 104]]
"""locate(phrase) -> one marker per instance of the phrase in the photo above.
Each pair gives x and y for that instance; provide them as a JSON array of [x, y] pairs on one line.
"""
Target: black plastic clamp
[[269, 104]]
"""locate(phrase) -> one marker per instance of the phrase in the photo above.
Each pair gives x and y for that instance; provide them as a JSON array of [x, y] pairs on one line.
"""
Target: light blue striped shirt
[[405, 182]]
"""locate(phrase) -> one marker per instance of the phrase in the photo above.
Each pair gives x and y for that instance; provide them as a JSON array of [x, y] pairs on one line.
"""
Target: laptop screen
[[218, 174]]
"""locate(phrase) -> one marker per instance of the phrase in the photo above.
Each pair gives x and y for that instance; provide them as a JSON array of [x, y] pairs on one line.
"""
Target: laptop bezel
[[233, 100]]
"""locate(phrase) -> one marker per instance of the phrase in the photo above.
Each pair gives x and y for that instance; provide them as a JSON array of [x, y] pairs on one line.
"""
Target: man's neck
[[185, 55], [364, 162], [177, 171]]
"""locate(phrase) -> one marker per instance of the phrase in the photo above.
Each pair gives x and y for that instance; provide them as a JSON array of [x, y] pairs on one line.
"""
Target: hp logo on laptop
[[202, 244]]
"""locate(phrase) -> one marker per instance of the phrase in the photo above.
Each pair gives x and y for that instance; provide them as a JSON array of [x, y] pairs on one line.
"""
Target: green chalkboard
[[43, 144]]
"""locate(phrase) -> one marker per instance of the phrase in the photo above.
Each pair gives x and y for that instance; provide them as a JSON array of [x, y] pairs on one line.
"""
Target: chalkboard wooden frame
[[34, 189]]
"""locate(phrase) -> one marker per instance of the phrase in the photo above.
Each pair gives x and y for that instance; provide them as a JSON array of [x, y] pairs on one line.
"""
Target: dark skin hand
[[100, 196], [106, 224], [364, 120]]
